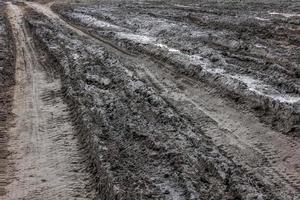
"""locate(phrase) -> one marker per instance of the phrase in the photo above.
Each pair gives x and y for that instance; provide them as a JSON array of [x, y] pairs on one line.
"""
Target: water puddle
[[143, 39], [260, 46], [265, 90], [261, 19], [166, 47], [252, 84], [92, 21], [287, 15], [182, 6]]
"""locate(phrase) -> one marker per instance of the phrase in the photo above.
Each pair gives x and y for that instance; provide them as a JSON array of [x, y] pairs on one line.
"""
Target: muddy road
[[152, 100], [46, 161]]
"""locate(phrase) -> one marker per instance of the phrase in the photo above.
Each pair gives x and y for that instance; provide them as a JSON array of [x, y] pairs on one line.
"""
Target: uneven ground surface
[[156, 100], [233, 50], [6, 94], [45, 161]]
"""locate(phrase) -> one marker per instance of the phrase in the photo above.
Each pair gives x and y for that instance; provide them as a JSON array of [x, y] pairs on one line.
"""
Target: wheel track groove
[[266, 149]]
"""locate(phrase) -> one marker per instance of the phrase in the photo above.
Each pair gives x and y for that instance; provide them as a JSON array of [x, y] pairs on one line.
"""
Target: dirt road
[[241, 135], [47, 163], [151, 129]]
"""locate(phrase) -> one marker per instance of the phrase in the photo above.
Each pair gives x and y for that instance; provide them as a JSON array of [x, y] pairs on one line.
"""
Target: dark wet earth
[[6, 93], [251, 51], [180, 100]]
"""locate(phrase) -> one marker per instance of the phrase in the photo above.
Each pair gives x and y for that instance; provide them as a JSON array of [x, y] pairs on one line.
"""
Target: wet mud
[[6, 94], [146, 136], [153, 100], [233, 50]]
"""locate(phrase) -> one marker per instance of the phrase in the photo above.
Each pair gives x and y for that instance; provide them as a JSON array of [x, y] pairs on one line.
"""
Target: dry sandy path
[[47, 163]]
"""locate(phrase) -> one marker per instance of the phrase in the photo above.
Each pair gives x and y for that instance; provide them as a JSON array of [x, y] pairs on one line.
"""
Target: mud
[[147, 132], [165, 160], [229, 49], [45, 161], [6, 94], [153, 100]]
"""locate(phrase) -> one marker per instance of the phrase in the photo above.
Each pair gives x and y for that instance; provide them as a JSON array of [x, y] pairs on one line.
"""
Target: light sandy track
[[47, 163], [262, 151]]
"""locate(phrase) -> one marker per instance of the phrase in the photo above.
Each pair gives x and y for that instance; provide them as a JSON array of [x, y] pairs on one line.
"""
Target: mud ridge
[[275, 173], [109, 114], [282, 115], [7, 82], [102, 182]]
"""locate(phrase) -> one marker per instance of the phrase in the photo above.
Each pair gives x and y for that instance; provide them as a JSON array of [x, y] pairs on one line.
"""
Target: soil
[[47, 161], [152, 100], [6, 95], [221, 49]]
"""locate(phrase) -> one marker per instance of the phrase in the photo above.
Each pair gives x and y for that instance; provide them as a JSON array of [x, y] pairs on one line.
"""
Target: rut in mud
[[136, 154], [46, 162], [267, 156], [161, 100], [260, 150], [223, 56], [242, 129]]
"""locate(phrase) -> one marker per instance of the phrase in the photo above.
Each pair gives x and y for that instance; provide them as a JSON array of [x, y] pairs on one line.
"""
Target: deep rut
[[248, 142], [47, 162], [45, 156]]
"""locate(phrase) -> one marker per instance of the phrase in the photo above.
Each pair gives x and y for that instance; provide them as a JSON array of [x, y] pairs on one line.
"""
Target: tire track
[[47, 163], [234, 135], [247, 141]]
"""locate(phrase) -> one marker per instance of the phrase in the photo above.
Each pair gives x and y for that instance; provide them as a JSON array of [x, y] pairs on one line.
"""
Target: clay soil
[[150, 100]]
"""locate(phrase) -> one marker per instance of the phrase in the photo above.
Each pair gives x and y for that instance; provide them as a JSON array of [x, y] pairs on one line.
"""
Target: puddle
[[92, 21], [252, 84], [144, 39], [168, 48], [182, 6], [261, 19], [260, 46], [137, 38], [262, 89], [287, 15]]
